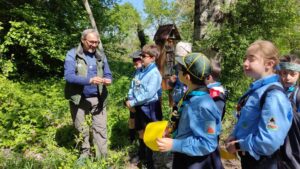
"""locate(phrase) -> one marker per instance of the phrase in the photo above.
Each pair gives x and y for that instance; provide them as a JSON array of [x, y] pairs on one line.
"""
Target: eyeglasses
[[143, 55], [93, 42]]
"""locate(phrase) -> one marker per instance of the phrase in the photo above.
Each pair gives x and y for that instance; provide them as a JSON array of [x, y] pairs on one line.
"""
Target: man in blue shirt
[[87, 74]]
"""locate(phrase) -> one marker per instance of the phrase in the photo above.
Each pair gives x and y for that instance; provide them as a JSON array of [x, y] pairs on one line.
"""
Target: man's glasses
[[93, 42]]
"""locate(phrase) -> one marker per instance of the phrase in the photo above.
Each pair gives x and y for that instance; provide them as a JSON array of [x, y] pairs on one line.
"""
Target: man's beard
[[91, 50]]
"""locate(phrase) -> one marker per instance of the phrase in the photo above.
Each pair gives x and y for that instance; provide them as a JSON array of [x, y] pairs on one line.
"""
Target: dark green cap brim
[[180, 60]]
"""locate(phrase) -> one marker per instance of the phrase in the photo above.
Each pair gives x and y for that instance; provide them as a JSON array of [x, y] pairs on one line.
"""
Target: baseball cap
[[197, 64], [136, 54]]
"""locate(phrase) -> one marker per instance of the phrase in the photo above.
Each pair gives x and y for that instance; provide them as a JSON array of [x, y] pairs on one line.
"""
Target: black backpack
[[289, 154]]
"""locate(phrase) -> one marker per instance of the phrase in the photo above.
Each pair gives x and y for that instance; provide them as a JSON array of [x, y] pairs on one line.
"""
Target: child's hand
[[230, 139], [127, 104], [230, 147], [173, 78], [164, 144]]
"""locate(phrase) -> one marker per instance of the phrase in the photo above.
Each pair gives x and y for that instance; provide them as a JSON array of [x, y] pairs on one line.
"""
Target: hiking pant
[[99, 118]]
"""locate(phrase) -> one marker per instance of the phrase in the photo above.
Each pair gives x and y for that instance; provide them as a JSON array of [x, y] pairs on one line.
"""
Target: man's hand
[[98, 80], [164, 144], [106, 81]]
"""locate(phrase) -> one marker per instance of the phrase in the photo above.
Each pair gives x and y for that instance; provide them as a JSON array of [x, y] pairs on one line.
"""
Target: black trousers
[[183, 161], [265, 162]]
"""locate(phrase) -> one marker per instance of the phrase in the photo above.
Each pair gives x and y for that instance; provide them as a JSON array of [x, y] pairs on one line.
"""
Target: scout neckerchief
[[146, 70], [242, 101], [143, 71], [183, 101], [215, 84]]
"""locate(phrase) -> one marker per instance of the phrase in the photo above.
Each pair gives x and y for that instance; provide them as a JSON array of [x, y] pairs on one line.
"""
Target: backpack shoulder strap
[[298, 98], [264, 95]]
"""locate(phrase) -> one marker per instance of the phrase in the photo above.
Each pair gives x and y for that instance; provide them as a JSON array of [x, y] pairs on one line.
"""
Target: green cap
[[197, 64]]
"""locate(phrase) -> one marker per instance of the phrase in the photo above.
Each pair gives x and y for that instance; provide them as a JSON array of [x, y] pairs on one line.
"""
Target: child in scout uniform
[[145, 99], [216, 90], [261, 129], [218, 94], [200, 119], [289, 73], [137, 63]]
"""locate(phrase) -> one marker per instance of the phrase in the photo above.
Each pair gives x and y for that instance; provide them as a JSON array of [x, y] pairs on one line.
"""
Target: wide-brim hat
[[197, 64]]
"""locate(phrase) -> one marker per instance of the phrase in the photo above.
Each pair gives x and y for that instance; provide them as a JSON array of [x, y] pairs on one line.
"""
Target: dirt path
[[164, 161]]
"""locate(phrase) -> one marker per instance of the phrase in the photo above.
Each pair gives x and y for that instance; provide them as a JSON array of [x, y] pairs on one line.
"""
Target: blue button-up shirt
[[145, 86], [262, 131], [199, 127]]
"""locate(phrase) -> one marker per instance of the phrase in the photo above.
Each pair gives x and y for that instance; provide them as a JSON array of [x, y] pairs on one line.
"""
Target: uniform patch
[[210, 127], [214, 93], [271, 125]]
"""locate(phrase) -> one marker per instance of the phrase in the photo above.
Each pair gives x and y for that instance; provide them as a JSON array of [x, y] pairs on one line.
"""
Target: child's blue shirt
[[145, 85], [199, 127], [261, 131]]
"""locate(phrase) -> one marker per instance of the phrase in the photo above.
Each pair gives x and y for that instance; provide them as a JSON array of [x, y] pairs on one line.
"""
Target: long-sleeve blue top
[[199, 127], [72, 77], [261, 131], [145, 85]]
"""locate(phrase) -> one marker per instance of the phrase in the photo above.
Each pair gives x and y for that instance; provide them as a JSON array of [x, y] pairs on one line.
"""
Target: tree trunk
[[197, 23], [92, 19], [141, 35], [208, 12]]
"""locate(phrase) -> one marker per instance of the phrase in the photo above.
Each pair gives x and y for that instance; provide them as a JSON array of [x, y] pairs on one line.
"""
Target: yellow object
[[153, 131], [226, 155]]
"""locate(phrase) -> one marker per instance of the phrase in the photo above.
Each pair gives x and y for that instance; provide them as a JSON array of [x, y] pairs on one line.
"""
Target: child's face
[[181, 77], [147, 59], [137, 63], [254, 65], [288, 77]]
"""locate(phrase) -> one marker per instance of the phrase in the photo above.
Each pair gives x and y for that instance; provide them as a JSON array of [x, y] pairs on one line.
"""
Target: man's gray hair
[[88, 31]]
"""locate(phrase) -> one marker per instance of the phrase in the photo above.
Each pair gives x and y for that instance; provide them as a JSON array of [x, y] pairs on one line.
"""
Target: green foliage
[[158, 12], [245, 22], [121, 13], [36, 34], [183, 12]]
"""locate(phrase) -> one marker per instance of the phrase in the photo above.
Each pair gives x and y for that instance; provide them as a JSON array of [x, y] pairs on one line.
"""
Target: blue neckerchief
[[255, 85], [215, 84], [291, 88], [183, 102], [259, 83], [189, 96], [146, 70]]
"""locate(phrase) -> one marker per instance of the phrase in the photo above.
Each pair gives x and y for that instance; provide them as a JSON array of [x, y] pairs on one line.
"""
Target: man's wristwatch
[[237, 146]]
